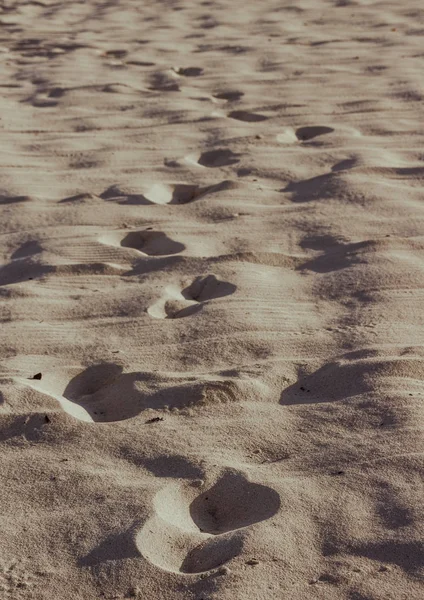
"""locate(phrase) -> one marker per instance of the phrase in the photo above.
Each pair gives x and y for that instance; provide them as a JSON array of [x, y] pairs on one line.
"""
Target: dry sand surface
[[212, 284]]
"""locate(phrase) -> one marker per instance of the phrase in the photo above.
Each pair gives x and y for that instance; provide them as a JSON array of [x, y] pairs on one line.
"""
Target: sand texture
[[211, 300]]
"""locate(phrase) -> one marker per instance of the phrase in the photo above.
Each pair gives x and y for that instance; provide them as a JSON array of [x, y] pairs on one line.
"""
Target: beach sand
[[211, 285]]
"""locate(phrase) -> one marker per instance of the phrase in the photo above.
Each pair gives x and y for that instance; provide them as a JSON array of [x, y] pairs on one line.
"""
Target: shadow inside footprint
[[233, 503], [115, 547], [173, 466], [247, 117], [23, 269], [230, 96], [91, 380], [163, 82], [174, 311], [176, 304], [190, 71], [121, 196], [320, 187], [27, 249], [186, 535], [336, 257], [221, 157], [6, 199], [208, 288], [305, 134], [212, 553], [153, 243], [183, 193], [340, 380]]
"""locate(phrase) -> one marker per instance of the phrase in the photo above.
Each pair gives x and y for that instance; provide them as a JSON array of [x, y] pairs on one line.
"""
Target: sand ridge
[[211, 281]]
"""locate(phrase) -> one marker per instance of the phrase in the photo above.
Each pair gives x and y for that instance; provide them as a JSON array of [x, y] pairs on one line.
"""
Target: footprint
[[116, 88], [336, 256], [10, 199], [173, 305], [24, 269], [349, 378], [189, 71], [80, 198], [207, 288], [222, 157], [212, 553], [176, 303], [103, 393], [158, 193], [287, 136], [230, 96], [247, 117], [191, 533], [164, 82], [233, 503], [57, 92], [118, 53], [152, 243], [123, 195], [305, 134], [178, 193], [27, 249]]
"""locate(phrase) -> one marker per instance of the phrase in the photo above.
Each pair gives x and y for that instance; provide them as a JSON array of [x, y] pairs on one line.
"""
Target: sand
[[211, 281]]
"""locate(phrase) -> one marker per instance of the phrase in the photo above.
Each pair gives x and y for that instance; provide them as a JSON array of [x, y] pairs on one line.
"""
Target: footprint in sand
[[162, 193], [158, 193], [304, 134], [28, 248], [189, 71], [164, 82], [152, 243], [221, 157], [176, 303], [192, 533], [11, 199], [103, 393], [247, 117], [229, 96]]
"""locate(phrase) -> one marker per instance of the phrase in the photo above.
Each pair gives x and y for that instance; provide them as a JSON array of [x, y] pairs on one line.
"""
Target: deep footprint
[[222, 157], [152, 243], [176, 303], [203, 532], [233, 503], [247, 117], [189, 71], [305, 134], [230, 96], [207, 288]]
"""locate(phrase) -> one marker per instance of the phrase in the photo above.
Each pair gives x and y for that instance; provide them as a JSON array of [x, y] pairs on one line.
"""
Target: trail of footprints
[[194, 527]]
